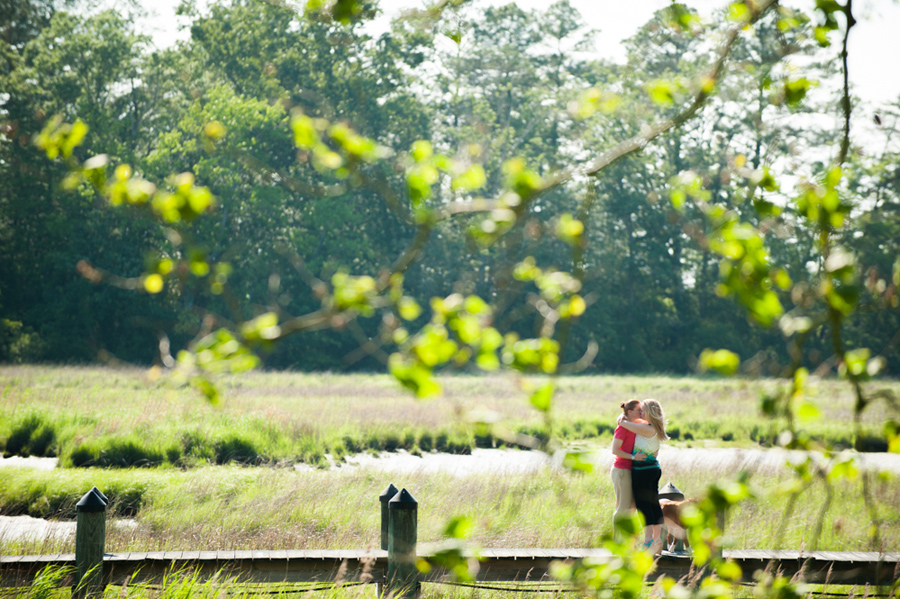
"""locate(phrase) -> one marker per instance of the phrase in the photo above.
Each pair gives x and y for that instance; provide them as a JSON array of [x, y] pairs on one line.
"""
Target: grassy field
[[104, 417], [280, 419], [232, 507], [202, 494]]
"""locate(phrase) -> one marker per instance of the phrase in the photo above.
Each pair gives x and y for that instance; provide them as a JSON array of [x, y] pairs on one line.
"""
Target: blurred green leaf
[[542, 398], [892, 433], [721, 360], [471, 179], [662, 92], [579, 461], [459, 527]]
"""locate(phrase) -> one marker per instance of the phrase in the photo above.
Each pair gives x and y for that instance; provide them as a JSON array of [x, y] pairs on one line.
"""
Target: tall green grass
[[122, 418], [231, 507], [205, 497]]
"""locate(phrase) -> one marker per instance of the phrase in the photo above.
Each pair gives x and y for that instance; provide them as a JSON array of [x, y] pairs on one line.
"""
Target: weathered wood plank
[[498, 565]]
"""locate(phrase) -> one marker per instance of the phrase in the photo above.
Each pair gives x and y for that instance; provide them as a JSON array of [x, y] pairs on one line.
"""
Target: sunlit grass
[[108, 417], [241, 508], [288, 417]]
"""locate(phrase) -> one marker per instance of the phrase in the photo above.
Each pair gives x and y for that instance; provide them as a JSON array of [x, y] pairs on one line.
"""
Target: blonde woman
[[650, 431]]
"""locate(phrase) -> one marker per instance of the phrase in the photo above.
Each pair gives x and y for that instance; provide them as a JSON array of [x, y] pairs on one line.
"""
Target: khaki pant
[[621, 479]]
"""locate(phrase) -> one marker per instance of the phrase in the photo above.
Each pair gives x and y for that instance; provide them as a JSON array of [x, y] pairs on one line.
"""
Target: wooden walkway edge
[[497, 565]]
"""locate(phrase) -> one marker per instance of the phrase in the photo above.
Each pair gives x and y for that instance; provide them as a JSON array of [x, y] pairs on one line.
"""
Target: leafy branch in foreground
[[463, 328], [822, 207]]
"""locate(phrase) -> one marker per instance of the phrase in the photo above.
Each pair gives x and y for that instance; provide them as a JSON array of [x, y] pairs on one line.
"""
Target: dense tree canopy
[[485, 88]]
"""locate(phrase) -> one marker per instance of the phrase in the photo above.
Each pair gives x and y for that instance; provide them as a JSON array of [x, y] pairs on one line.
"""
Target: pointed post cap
[[100, 494], [91, 502], [670, 491], [403, 501], [388, 493]]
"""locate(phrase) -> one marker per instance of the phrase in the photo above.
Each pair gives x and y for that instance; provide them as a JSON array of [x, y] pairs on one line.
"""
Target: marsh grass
[[123, 421], [121, 418], [239, 508]]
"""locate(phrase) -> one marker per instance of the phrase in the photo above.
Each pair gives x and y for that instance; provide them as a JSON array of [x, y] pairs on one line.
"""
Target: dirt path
[[514, 461], [511, 461]]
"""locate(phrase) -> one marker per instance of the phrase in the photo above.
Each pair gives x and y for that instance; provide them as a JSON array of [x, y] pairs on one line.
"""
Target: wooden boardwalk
[[506, 565]]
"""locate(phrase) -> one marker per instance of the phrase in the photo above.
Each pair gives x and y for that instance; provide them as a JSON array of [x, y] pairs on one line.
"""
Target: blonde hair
[[653, 412]]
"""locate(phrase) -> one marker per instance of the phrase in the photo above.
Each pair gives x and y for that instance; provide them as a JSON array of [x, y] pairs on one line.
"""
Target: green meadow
[[123, 418], [234, 507], [183, 474]]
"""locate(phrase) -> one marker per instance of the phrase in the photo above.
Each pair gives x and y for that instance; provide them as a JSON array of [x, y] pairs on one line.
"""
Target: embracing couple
[[635, 471]]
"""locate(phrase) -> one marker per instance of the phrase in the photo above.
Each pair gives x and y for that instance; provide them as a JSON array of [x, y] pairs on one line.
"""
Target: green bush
[[390, 442], [129, 453], [114, 453], [82, 455], [352, 445], [484, 441], [173, 454], [32, 435], [235, 448]]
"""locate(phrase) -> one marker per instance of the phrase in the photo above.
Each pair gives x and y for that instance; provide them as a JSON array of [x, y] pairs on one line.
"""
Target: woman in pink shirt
[[622, 447]]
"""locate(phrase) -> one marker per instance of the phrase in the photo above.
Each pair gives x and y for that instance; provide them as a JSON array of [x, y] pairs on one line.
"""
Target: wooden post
[[386, 496], [402, 575], [90, 542]]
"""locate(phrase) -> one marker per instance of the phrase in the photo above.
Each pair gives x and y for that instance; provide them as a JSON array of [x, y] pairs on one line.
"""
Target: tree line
[[489, 101]]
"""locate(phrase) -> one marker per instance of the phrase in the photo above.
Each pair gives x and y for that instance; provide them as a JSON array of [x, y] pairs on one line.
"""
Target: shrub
[[391, 442], [129, 453], [32, 436], [374, 442], [83, 455], [484, 441], [460, 447], [173, 454], [197, 445], [236, 449], [114, 453], [870, 443], [603, 428], [352, 445]]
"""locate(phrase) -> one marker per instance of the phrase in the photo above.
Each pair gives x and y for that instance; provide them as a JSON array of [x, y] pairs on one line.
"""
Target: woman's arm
[[617, 450], [645, 430]]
